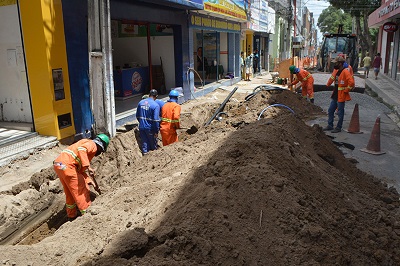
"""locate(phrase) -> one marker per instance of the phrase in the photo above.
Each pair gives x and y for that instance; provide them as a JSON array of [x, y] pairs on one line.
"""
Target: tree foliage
[[330, 19], [356, 8], [360, 10]]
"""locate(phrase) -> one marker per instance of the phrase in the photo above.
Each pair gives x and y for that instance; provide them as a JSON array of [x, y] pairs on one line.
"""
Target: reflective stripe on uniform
[[70, 206], [169, 120], [332, 77], [76, 158], [149, 119], [341, 88], [306, 77]]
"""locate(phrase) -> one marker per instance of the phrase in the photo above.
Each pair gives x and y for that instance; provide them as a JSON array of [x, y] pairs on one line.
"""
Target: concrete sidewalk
[[387, 91]]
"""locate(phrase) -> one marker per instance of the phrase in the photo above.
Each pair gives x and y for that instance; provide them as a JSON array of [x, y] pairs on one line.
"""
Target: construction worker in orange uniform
[[340, 94], [307, 82], [334, 76], [170, 119], [73, 168]]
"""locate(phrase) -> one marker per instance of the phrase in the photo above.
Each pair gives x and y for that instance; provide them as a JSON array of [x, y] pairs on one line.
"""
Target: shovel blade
[[192, 130]]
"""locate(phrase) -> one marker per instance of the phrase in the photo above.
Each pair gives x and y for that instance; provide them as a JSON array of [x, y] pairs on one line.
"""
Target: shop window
[[58, 81], [64, 121]]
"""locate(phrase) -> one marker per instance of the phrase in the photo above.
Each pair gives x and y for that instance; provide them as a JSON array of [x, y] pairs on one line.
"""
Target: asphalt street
[[384, 166]]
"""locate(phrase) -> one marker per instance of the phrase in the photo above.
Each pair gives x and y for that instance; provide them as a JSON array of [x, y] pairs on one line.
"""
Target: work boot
[[311, 100], [327, 128], [70, 219], [336, 130]]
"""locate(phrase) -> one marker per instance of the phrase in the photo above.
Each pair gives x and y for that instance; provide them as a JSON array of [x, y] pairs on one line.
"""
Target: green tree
[[331, 17]]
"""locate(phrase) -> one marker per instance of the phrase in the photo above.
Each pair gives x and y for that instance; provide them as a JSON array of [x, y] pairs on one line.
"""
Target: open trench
[[50, 214], [36, 227]]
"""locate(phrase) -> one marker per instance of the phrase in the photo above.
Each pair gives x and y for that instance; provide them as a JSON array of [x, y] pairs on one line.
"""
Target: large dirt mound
[[241, 191]]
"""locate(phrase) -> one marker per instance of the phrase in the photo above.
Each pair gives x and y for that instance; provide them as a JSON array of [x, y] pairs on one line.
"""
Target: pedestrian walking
[[148, 116], [170, 119], [307, 82], [340, 94], [73, 169], [377, 64], [248, 62], [367, 64], [241, 64]]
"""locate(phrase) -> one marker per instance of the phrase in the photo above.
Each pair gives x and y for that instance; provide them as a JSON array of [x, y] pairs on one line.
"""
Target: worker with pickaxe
[[73, 168]]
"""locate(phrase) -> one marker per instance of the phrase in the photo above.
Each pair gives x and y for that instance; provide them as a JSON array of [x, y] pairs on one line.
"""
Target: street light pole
[[295, 18]]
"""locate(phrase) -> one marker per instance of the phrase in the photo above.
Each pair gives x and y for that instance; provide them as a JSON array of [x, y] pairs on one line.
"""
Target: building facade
[[387, 19], [70, 64]]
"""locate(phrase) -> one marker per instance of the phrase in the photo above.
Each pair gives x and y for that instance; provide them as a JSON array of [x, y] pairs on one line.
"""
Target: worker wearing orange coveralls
[[307, 82], [340, 94], [72, 167], [334, 76], [170, 119]]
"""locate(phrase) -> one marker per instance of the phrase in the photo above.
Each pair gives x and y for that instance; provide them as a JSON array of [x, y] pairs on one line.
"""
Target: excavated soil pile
[[238, 192]]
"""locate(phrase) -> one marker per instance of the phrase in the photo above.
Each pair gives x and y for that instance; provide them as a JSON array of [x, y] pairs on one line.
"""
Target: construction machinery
[[338, 43]]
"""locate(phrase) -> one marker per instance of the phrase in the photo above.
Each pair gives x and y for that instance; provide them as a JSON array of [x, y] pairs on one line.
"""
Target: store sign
[[213, 23], [389, 8], [229, 8], [390, 27]]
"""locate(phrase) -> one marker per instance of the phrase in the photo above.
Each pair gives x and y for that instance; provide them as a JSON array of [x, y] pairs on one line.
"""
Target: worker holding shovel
[[73, 168]]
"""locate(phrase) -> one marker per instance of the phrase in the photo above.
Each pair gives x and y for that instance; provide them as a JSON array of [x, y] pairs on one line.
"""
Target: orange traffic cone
[[374, 144], [354, 126]]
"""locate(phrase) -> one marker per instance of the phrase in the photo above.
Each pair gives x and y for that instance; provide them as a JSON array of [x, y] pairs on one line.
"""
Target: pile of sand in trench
[[267, 192]]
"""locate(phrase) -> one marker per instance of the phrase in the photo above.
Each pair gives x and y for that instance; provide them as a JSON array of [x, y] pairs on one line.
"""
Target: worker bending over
[[170, 119], [307, 82], [148, 116], [73, 168]]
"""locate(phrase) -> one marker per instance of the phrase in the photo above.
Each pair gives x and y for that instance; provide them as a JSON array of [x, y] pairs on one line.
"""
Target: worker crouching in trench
[[73, 168]]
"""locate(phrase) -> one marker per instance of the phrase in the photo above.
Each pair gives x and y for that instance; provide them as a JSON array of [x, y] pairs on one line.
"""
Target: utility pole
[[100, 67]]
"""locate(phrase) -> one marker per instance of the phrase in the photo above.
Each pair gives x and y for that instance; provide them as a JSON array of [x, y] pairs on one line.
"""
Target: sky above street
[[316, 7]]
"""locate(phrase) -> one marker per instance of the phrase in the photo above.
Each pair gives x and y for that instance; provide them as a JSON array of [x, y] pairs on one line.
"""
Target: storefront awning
[[181, 4], [389, 10]]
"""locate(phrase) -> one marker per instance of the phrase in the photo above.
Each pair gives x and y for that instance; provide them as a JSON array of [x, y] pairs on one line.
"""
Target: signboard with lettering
[[389, 8], [199, 21], [231, 8], [390, 27]]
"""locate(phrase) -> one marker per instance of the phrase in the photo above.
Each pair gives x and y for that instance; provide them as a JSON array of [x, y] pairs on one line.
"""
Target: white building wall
[[14, 95], [383, 52]]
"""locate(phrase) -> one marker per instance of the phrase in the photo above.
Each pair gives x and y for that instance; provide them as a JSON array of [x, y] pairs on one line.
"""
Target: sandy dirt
[[240, 191]]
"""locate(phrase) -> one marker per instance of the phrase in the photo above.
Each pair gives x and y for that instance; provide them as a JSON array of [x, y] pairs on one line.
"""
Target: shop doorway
[[210, 56], [15, 103], [143, 59]]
